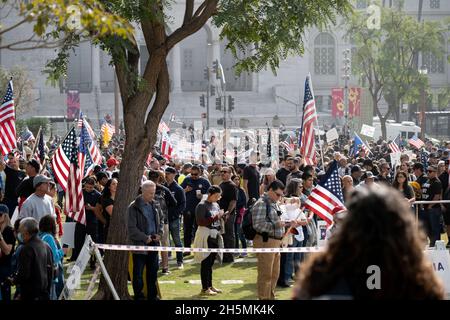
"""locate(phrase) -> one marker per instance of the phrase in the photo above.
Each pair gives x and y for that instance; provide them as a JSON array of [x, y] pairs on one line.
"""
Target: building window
[[324, 55], [187, 58], [435, 64], [435, 4], [361, 4], [323, 103]]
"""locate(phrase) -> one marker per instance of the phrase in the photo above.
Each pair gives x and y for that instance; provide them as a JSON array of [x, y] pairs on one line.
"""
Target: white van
[[406, 129]]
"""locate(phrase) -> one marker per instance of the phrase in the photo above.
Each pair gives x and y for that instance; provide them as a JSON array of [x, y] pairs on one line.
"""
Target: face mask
[[20, 237]]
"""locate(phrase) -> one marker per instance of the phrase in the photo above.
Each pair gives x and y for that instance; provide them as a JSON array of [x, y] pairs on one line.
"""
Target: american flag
[[286, 146], [307, 145], [166, 146], [85, 162], [27, 135], [359, 143], [40, 149], [393, 146], [416, 142], [8, 122], [327, 195], [424, 158], [74, 192], [269, 144], [163, 127], [61, 159], [89, 138]]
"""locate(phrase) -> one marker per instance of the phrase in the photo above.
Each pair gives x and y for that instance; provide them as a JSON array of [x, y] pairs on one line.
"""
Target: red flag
[[337, 102]]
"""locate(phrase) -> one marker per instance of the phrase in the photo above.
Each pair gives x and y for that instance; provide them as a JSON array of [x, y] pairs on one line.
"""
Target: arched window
[[324, 55], [435, 64]]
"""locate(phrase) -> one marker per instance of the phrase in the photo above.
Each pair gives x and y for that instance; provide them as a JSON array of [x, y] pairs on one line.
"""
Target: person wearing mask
[[25, 188], [251, 179], [47, 233], [401, 184], [194, 187], [13, 178], [432, 191], [145, 228], [241, 205], [35, 263], [175, 213], [7, 244], [227, 203], [208, 235], [39, 203], [369, 227], [165, 200]]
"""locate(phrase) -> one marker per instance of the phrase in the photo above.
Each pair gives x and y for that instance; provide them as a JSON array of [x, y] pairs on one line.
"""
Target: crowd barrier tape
[[217, 250]]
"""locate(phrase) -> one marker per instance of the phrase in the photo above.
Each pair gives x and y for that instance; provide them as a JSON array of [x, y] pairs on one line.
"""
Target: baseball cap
[[171, 170], [4, 209], [112, 162], [369, 175], [40, 179], [34, 164]]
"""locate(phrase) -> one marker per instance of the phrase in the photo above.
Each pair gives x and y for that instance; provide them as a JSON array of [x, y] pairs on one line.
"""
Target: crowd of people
[[195, 204]]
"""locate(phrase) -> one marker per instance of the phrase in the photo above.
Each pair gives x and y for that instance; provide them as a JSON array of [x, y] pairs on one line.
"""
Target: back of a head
[[379, 230], [30, 225]]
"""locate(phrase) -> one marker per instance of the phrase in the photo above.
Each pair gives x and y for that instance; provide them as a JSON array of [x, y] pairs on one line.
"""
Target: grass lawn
[[176, 286]]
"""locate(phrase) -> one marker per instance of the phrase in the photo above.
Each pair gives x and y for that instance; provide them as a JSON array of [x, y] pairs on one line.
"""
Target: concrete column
[[176, 69], [95, 58]]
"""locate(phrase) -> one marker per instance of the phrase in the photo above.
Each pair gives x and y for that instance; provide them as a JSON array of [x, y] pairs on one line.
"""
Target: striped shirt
[[263, 225]]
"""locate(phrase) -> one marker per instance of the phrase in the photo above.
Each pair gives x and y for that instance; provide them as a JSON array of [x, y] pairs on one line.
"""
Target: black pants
[[229, 238], [188, 228], [207, 264], [150, 262], [81, 231]]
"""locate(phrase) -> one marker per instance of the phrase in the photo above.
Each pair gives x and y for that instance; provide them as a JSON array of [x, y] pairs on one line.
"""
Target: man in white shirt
[[39, 204]]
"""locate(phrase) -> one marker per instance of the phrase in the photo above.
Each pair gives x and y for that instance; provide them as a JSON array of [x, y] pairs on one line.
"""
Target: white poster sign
[[321, 233], [69, 234], [332, 135], [395, 158], [441, 265], [368, 131]]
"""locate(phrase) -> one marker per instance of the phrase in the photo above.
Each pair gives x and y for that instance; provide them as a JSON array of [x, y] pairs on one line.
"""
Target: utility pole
[[116, 103], [424, 72], [346, 77], [207, 77]]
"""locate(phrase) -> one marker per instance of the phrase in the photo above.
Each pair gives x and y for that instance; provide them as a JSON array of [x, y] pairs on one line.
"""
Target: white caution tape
[[222, 250]]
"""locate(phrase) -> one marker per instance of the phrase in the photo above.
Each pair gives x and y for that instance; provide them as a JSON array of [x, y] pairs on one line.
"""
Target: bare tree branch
[[14, 26]]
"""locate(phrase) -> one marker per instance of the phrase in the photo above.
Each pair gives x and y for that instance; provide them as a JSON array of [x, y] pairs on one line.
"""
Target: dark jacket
[[137, 223], [25, 188], [35, 273], [165, 199], [178, 192]]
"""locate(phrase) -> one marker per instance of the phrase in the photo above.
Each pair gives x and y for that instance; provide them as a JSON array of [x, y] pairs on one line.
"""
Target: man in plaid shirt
[[270, 231]]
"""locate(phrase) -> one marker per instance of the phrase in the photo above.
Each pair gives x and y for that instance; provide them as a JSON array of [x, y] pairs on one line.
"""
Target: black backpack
[[247, 221]]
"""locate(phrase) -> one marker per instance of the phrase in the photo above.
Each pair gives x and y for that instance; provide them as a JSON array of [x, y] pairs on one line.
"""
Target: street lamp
[[423, 71], [346, 77]]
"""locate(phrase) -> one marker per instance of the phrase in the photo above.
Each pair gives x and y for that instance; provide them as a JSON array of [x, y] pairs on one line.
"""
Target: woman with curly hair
[[378, 230]]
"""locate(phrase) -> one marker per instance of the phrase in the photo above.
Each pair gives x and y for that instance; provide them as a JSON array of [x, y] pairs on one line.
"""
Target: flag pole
[[316, 122], [37, 141]]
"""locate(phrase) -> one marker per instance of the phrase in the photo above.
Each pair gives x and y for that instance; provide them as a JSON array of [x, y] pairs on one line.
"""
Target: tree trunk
[[141, 135], [383, 127]]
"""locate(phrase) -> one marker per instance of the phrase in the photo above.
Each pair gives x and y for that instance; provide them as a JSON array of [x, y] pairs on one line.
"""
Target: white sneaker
[[180, 266]]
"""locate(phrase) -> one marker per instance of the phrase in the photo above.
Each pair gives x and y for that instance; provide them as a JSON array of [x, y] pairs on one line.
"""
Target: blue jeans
[[150, 262], [434, 224], [174, 228], [239, 235]]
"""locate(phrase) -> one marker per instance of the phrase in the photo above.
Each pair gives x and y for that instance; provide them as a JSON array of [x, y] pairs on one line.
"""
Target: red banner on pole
[[73, 104], [337, 102], [354, 101]]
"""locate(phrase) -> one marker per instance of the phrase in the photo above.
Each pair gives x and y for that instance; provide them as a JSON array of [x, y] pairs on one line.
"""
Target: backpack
[[247, 221]]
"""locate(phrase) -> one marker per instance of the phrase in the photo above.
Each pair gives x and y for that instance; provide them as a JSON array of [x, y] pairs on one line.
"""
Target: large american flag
[[61, 159], [416, 142], [163, 127], [39, 152], [8, 122], [96, 155], [393, 145], [307, 145], [327, 195], [74, 192]]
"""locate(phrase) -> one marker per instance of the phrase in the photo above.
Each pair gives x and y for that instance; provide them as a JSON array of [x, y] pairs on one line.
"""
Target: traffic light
[[220, 121], [216, 68], [230, 103], [202, 101], [206, 73], [212, 90], [219, 103]]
